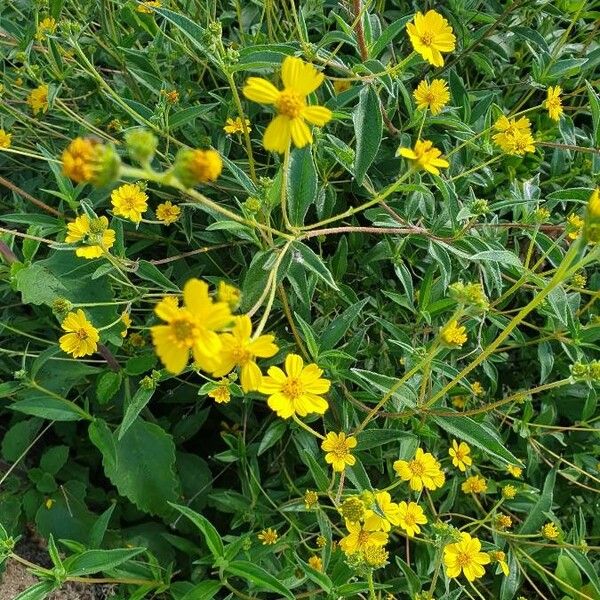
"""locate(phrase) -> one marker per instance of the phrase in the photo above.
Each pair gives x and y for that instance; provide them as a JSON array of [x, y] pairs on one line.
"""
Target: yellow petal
[[317, 115], [250, 377], [260, 90], [277, 136], [301, 134], [293, 365], [300, 76]]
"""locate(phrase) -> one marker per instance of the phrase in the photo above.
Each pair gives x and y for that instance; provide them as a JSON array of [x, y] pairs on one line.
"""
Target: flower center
[[430, 97], [416, 467], [293, 388], [82, 334], [340, 449], [129, 202], [363, 537], [290, 104], [241, 356], [463, 559], [427, 38], [184, 332], [409, 519]]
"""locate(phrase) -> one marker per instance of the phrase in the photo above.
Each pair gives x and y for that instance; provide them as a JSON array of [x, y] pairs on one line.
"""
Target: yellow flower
[[311, 499], [509, 491], [146, 7], [81, 338], [221, 394], [129, 201], [94, 233], [353, 509], [514, 136], [316, 563], [460, 455], [423, 471], [503, 521], [239, 349], [454, 334], [197, 166], [375, 556], [338, 447], [38, 99], [236, 126], [500, 557], [86, 160], [459, 402], [553, 103], [268, 536], [474, 485], [384, 515], [167, 212], [299, 80], [477, 388], [46, 26], [297, 390], [5, 139], [430, 35], [574, 225], [425, 156], [410, 516], [359, 538], [514, 471], [172, 96], [465, 556], [550, 531], [126, 320], [190, 329], [433, 96], [593, 206], [228, 293]]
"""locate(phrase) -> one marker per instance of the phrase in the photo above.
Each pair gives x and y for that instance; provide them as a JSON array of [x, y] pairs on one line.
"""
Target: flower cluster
[[514, 135]]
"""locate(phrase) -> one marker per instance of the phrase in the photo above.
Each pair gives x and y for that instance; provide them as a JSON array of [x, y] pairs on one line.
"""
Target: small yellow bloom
[[550, 531], [167, 212], [574, 226], [190, 329], [38, 99], [410, 516], [433, 96], [477, 388], [460, 455], [509, 491], [129, 201], [239, 349], [500, 557], [430, 35], [474, 485], [45, 27], [85, 160], [425, 156], [316, 563], [5, 139], [375, 556], [300, 79], [353, 509], [146, 7], [197, 166], [297, 390], [93, 233], [221, 394], [311, 499], [126, 320], [359, 538], [593, 205], [384, 513], [228, 293], [514, 136], [321, 541], [81, 338], [504, 522], [172, 96], [454, 334], [553, 103], [49, 503], [459, 401], [423, 471], [268, 537], [514, 471], [236, 126], [338, 448], [465, 556]]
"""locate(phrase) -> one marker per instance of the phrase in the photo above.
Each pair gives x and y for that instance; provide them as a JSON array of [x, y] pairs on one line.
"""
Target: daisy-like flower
[[299, 80], [221, 394], [85, 160], [359, 538], [430, 34], [410, 516], [197, 166], [477, 388], [509, 492], [515, 471], [425, 156], [499, 557], [146, 7], [236, 126], [228, 293], [268, 536], [433, 96], [514, 136], [316, 563], [168, 213], [465, 556], [45, 27], [311, 499], [503, 522], [460, 455], [475, 484], [454, 334], [81, 338], [422, 471], [297, 390], [38, 99], [190, 329], [239, 349], [126, 320], [129, 201], [94, 234], [5, 139], [338, 448], [550, 531], [574, 226], [384, 514], [553, 103]]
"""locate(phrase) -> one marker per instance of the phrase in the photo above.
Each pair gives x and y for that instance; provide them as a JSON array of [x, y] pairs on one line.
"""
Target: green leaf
[[203, 591], [211, 535], [134, 408], [388, 35], [54, 459], [96, 561], [480, 435], [316, 470], [190, 29], [537, 515], [368, 129], [149, 272], [258, 577], [318, 577], [38, 285], [567, 572], [371, 381], [272, 435], [99, 528], [585, 565], [18, 437], [304, 256], [500, 256], [108, 385], [149, 484], [37, 592], [373, 438], [47, 407], [301, 184], [340, 325]]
